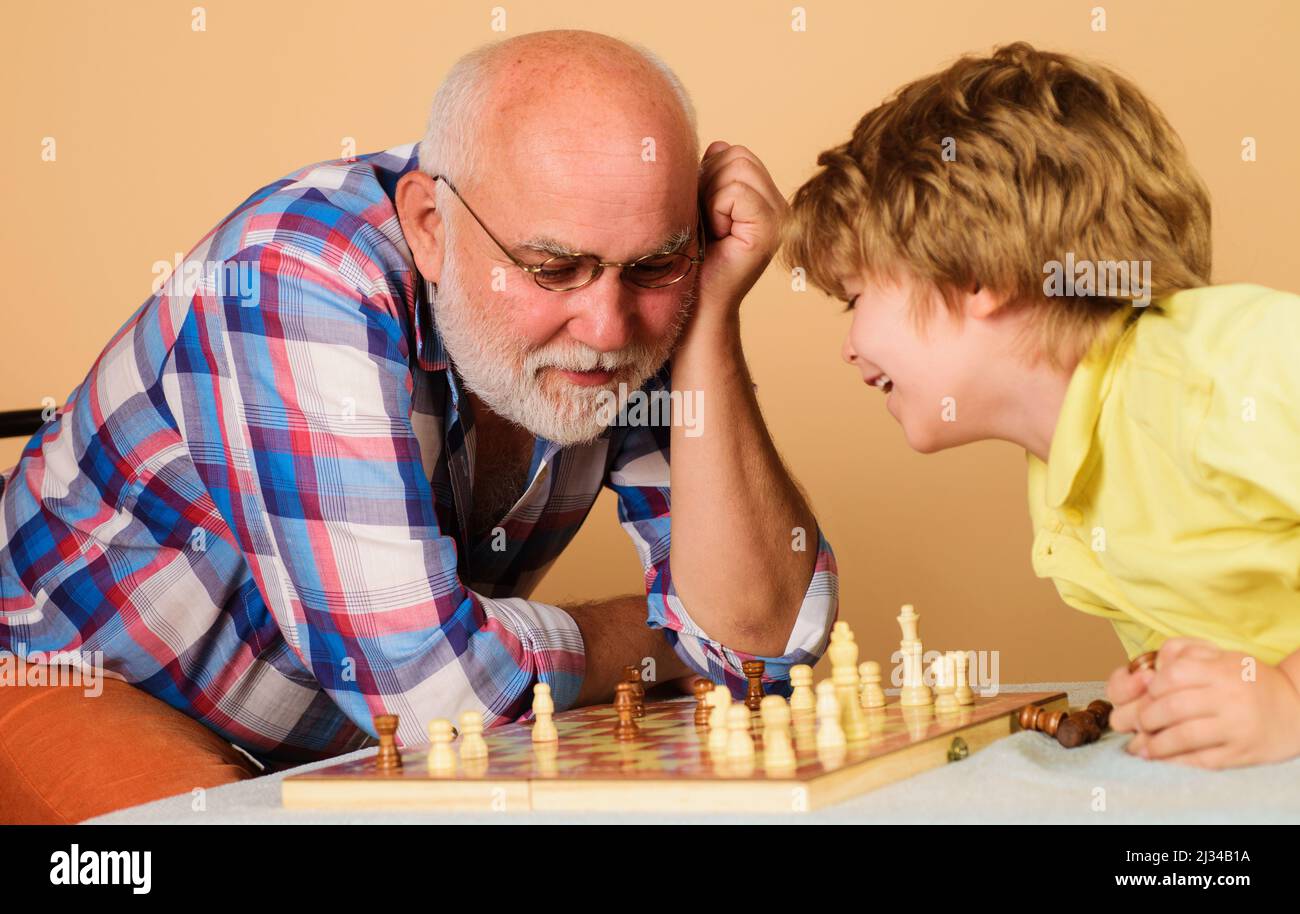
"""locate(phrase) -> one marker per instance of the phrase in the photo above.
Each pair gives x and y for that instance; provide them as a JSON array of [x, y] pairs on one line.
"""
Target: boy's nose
[[847, 353]]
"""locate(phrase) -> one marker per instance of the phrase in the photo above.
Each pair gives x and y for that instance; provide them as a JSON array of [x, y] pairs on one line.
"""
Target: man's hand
[[743, 211], [1207, 707]]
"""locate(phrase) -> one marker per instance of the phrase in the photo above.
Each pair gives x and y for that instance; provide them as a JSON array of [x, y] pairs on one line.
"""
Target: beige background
[[161, 131]]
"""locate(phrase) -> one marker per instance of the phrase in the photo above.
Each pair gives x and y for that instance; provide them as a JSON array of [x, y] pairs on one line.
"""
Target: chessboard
[[667, 767]]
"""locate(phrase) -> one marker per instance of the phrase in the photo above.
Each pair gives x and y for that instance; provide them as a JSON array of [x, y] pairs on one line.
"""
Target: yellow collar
[[1072, 452]]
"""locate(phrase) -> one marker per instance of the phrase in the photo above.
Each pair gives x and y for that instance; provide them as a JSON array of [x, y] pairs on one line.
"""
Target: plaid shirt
[[254, 503]]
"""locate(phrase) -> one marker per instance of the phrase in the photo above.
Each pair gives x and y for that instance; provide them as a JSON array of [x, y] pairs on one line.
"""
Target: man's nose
[[603, 313], [846, 351]]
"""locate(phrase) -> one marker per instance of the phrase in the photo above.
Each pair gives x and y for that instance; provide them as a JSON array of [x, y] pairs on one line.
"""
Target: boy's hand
[[1207, 707]]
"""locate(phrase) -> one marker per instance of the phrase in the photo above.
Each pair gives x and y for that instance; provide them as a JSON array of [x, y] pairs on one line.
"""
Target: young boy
[[1026, 252]]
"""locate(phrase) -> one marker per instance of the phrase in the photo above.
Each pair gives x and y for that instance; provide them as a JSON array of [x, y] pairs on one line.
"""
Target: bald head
[[547, 104]]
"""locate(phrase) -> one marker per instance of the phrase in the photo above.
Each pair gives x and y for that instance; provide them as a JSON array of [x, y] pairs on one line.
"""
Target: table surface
[[1024, 778]]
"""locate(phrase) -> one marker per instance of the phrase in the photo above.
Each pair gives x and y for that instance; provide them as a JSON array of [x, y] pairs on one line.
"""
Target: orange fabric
[[66, 756]]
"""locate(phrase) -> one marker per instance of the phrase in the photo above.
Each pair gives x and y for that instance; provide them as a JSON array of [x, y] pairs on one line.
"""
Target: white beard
[[487, 354]]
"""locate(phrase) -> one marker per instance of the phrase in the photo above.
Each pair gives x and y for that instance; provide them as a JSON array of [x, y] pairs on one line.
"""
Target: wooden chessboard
[[668, 768]]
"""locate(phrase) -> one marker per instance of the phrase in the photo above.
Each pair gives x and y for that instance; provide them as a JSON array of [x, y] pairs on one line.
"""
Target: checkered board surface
[[668, 767]]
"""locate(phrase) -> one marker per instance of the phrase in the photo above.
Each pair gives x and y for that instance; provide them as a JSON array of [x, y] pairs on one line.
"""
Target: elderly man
[[315, 478]]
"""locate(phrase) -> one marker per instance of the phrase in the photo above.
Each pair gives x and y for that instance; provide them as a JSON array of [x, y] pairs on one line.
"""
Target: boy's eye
[[849, 303]]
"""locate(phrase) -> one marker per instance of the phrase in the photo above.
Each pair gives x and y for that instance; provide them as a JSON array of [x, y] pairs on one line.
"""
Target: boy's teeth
[[883, 382]]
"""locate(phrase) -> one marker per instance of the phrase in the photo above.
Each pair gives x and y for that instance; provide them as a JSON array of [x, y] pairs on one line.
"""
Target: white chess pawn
[[872, 696], [830, 735], [472, 744], [778, 751], [945, 684], [544, 715], [965, 696], [915, 693], [740, 743], [442, 758], [721, 701], [802, 699]]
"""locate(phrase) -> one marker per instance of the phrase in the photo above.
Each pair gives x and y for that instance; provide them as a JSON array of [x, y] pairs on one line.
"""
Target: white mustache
[[583, 358]]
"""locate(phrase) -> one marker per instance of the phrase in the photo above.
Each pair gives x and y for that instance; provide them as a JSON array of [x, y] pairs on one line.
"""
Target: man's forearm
[[736, 513], [615, 635]]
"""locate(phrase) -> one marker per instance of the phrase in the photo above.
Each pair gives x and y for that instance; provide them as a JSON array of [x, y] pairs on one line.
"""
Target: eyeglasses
[[564, 273]]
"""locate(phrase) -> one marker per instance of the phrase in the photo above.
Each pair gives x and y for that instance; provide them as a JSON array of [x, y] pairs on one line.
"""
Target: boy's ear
[[982, 302]]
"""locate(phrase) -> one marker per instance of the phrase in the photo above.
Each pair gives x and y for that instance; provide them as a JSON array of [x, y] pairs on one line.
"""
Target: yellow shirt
[[1170, 501]]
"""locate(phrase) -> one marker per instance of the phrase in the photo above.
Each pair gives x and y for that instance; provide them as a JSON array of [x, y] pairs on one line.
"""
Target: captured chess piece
[[753, 670], [544, 715], [702, 689], [1070, 728], [1101, 710], [1036, 717], [1145, 661], [389, 758], [625, 706]]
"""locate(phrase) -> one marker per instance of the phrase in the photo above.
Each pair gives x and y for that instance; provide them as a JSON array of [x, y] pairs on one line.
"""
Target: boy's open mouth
[[881, 382]]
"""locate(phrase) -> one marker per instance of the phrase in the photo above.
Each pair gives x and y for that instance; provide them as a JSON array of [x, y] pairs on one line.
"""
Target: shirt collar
[[1072, 452]]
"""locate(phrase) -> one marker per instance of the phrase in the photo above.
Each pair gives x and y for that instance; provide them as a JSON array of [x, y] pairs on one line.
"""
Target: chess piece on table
[[945, 684], [442, 758], [965, 695], [740, 744], [625, 706], [843, 655], [778, 751], [915, 693], [389, 758], [754, 674], [802, 698], [721, 701], [702, 689], [544, 730], [632, 674], [872, 695], [830, 735], [472, 744]]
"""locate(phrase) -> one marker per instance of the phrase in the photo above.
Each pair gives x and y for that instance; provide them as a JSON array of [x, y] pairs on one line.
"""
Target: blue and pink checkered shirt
[[253, 504]]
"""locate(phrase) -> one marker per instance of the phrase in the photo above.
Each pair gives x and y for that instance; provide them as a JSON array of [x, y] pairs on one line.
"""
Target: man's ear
[[981, 302], [417, 211]]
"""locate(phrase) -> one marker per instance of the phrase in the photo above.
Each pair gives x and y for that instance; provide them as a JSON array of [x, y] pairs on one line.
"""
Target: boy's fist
[[1207, 707]]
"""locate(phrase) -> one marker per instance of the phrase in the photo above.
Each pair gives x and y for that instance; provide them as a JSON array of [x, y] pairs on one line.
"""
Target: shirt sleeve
[[639, 475], [295, 404], [1249, 428]]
